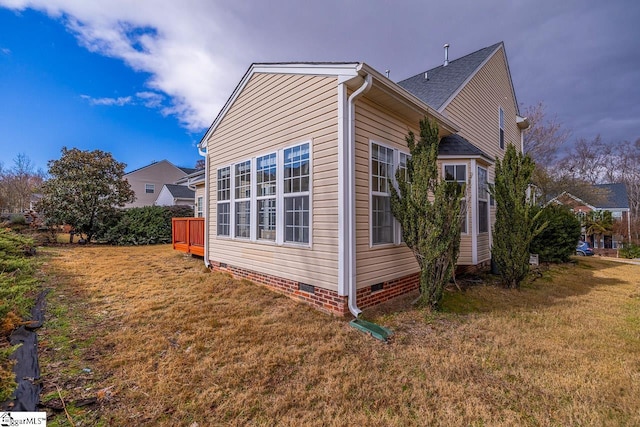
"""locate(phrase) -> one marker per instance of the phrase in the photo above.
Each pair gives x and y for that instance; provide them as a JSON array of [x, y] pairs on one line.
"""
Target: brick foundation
[[323, 299]]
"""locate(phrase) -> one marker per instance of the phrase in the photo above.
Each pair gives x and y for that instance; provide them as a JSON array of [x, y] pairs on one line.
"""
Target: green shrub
[[18, 219], [629, 250], [147, 225], [557, 242], [17, 289]]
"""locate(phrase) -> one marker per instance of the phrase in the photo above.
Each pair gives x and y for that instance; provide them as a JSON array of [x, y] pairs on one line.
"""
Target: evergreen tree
[[516, 223], [84, 191], [429, 210]]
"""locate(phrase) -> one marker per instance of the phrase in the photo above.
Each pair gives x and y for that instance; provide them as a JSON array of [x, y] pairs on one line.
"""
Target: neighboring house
[[175, 195], [147, 181], [297, 166], [195, 181], [606, 197]]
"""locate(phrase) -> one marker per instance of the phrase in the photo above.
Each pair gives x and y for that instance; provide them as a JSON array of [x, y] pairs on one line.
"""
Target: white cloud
[[180, 44], [120, 101], [151, 99], [5, 51]]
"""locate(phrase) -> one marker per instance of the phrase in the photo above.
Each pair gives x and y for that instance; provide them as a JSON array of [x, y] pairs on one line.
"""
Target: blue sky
[[51, 92], [144, 79]]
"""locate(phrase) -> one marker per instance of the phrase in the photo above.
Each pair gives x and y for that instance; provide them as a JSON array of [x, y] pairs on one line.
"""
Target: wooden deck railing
[[188, 235]]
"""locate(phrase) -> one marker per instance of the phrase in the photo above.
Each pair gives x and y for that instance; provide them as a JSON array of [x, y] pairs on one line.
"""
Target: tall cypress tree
[[515, 225], [428, 208]]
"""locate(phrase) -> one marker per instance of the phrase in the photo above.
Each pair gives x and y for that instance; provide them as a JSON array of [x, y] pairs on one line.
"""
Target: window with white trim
[[501, 122], [458, 173], [402, 167], [199, 207], [483, 201], [296, 194], [224, 202], [269, 199], [242, 197], [149, 188], [266, 178], [382, 228]]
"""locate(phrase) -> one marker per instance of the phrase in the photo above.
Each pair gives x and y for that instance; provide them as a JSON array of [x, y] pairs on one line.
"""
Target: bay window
[[458, 173]]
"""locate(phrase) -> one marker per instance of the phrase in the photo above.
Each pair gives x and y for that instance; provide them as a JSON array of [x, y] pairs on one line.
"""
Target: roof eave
[[407, 97]]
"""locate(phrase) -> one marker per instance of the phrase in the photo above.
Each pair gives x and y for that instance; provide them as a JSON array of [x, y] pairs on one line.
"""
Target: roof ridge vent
[[446, 54]]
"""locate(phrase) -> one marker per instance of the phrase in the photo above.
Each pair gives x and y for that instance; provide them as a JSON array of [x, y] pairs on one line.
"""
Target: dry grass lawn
[[159, 340]]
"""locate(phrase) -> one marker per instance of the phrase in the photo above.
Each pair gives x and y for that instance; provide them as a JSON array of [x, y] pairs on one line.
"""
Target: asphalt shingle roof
[[455, 145], [180, 191], [616, 194], [443, 81]]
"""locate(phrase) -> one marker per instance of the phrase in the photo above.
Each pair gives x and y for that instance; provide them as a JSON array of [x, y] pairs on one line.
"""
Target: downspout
[[351, 196], [205, 208]]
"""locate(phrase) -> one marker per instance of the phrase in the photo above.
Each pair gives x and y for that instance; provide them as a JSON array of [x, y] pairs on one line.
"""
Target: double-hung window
[[242, 185], [483, 201], [149, 188], [458, 173], [199, 207], [501, 122], [224, 202], [296, 194], [382, 167], [266, 178]]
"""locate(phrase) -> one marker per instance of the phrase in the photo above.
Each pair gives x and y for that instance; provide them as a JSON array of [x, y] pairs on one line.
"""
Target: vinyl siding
[[476, 108], [159, 173], [384, 262], [275, 111]]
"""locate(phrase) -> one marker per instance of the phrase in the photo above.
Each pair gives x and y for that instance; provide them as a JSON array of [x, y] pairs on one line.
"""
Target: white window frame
[[396, 227], [266, 197], [226, 201], [148, 187], [279, 197], [199, 207], [236, 199], [501, 128], [284, 196], [465, 181], [484, 199]]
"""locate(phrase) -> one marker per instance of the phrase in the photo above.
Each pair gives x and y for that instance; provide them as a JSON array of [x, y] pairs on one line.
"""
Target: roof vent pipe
[[387, 72], [446, 54]]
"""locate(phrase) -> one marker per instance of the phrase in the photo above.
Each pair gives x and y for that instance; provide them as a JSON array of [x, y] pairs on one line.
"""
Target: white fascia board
[[316, 69], [463, 157], [401, 94]]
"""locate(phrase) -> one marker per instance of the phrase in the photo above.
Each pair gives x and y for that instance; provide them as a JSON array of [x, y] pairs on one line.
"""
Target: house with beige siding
[[297, 168], [148, 181]]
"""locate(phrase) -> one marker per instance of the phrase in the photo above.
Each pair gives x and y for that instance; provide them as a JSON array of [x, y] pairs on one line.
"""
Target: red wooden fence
[[188, 235]]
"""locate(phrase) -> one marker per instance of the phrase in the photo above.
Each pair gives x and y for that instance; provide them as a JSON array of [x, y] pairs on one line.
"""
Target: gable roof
[[351, 73], [180, 191], [444, 82], [185, 170], [616, 194], [456, 146]]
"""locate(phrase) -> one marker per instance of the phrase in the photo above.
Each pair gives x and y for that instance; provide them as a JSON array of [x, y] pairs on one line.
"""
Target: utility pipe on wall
[[351, 197], [205, 208]]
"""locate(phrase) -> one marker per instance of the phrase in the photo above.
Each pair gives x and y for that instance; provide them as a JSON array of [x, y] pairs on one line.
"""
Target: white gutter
[[351, 196], [205, 208]]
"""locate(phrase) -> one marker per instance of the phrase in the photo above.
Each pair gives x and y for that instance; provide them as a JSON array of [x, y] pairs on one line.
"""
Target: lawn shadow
[[547, 286]]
